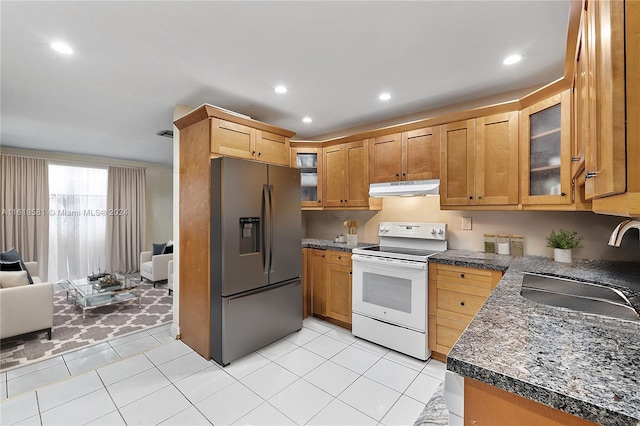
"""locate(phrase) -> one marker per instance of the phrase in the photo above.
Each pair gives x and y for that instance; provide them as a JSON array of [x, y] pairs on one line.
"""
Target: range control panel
[[422, 230]]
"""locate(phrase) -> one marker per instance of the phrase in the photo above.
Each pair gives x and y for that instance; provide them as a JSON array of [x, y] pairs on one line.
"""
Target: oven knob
[[440, 231], [433, 231]]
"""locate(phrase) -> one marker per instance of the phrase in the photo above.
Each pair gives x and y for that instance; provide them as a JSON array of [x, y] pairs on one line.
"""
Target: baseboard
[[175, 331]]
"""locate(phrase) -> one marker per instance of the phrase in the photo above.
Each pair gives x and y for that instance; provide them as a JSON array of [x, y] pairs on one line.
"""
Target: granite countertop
[[580, 363], [330, 245]]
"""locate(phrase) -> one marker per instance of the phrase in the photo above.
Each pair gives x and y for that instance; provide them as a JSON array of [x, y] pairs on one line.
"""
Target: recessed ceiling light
[[280, 89], [513, 59], [384, 96], [307, 120], [62, 47]]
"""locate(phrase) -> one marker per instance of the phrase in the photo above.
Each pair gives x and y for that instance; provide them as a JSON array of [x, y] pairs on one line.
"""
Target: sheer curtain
[[24, 206], [77, 226], [126, 222]]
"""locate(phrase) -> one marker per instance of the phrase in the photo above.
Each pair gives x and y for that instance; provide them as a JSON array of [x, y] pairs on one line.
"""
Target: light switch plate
[[466, 224]]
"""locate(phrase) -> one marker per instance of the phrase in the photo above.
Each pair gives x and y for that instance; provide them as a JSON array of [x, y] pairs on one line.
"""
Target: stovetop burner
[[401, 250]]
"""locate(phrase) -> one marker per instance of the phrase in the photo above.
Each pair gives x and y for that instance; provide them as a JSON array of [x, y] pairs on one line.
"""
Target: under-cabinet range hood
[[405, 188]]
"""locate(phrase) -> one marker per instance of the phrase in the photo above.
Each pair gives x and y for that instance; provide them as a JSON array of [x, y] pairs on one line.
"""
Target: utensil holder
[[352, 239]]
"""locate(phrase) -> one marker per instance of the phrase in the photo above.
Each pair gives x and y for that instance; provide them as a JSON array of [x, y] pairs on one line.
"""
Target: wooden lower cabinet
[[317, 285], [456, 294], [488, 405], [328, 276], [338, 283]]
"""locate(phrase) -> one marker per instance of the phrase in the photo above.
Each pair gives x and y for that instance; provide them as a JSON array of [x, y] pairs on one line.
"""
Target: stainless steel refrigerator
[[256, 289]]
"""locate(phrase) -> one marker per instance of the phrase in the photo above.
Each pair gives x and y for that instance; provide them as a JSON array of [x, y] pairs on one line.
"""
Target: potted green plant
[[562, 242]]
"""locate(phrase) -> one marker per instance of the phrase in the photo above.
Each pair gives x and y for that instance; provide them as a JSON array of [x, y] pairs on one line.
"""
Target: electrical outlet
[[466, 224]]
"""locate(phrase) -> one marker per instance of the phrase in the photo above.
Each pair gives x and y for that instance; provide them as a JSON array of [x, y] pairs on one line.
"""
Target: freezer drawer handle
[[268, 288]]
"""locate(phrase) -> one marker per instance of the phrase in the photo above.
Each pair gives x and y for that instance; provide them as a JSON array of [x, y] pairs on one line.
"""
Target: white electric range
[[390, 282]]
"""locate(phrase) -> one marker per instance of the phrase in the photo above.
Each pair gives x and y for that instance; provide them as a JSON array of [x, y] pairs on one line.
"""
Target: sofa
[[26, 308], [154, 268], [170, 278]]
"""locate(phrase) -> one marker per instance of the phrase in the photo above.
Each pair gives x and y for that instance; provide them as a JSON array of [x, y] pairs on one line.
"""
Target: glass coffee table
[[89, 294]]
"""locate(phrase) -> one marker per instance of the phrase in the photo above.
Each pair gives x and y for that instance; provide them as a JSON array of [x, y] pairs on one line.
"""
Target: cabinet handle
[[590, 175], [462, 303], [574, 159], [564, 194], [461, 275]]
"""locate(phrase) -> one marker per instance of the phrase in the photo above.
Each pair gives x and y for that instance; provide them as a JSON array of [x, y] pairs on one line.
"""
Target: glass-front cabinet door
[[545, 133], [309, 161]]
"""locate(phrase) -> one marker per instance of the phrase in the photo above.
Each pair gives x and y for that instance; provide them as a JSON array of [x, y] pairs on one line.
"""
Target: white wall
[[535, 226]]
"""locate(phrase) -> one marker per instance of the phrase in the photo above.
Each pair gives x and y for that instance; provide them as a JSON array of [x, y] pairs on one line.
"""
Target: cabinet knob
[[404, 174], [471, 197], [339, 257], [462, 303], [397, 175], [319, 201], [479, 197], [350, 273], [461, 275], [259, 154], [253, 153], [564, 194]]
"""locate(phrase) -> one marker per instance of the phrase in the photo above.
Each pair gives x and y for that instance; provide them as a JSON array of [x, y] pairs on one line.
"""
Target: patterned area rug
[[71, 332]]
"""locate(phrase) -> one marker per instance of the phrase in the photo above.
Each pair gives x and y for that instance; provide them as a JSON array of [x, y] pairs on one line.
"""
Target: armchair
[[154, 268], [27, 308], [170, 278]]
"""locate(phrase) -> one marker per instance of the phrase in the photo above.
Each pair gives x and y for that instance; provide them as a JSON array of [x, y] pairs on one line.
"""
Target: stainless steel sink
[[577, 295]]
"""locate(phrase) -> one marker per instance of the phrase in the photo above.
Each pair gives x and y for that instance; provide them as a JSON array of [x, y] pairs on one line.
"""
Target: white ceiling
[[134, 61]]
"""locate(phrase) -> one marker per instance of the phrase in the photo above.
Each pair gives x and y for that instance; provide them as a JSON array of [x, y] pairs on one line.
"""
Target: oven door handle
[[387, 261]]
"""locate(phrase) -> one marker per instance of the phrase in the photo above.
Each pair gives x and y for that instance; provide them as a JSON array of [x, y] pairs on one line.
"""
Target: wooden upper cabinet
[[457, 162], [232, 139], [357, 174], [241, 141], [309, 161], [272, 148], [497, 159], [605, 161], [583, 103], [420, 154], [346, 175], [411, 155], [385, 162], [545, 155]]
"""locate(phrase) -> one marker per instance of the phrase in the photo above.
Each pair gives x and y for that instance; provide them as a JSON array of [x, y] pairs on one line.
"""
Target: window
[[77, 222]]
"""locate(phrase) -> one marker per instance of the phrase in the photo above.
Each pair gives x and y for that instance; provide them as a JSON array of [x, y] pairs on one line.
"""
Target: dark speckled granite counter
[[330, 245], [583, 364]]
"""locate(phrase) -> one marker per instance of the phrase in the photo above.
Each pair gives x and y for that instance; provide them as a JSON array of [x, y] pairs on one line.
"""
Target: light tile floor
[[321, 375]]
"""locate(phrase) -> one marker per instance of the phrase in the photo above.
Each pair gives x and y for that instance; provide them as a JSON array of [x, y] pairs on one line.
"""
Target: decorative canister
[[489, 243], [503, 244], [517, 245]]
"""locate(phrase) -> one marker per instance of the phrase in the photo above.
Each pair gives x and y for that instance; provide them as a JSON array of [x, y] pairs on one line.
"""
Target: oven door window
[[389, 292]]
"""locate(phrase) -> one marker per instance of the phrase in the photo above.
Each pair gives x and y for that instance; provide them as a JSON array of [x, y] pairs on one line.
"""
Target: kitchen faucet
[[616, 236]]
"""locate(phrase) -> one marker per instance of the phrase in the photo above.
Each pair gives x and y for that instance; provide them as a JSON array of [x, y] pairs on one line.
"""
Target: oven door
[[390, 290]]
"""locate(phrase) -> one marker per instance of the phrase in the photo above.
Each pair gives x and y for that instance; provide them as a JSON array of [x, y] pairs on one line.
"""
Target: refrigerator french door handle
[[263, 228], [270, 228]]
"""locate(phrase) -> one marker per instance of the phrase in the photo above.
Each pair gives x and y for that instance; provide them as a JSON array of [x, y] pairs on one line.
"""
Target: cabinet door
[[581, 100], [497, 159], [309, 161], [317, 266], [272, 148], [338, 282], [357, 174], [384, 161], [235, 140], [334, 176], [457, 162], [605, 162], [306, 283], [421, 154], [545, 132]]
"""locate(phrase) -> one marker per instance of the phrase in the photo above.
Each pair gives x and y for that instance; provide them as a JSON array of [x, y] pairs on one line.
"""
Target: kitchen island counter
[[583, 364]]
